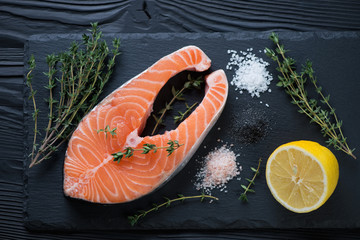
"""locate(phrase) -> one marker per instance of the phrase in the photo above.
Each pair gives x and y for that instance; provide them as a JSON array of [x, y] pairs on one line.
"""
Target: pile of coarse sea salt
[[250, 72], [220, 166]]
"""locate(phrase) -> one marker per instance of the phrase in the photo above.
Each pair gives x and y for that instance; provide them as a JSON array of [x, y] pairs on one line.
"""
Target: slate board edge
[[227, 35], [262, 35], [26, 135]]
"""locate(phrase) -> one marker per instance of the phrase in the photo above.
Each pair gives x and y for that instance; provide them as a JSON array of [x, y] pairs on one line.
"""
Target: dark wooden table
[[20, 19]]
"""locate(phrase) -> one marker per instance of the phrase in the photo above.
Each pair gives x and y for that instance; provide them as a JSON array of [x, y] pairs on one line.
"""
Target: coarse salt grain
[[220, 166], [250, 72]]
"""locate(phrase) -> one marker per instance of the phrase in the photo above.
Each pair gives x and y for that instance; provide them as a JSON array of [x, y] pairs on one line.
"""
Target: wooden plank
[[243, 15], [175, 16]]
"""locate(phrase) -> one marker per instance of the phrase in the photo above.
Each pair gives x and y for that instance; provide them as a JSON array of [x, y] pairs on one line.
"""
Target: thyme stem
[[180, 117], [51, 61], [32, 96], [129, 151], [135, 218], [247, 188], [167, 108], [294, 85], [177, 95], [82, 79]]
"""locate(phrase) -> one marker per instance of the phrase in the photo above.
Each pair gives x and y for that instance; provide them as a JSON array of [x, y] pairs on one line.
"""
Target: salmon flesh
[[90, 172]]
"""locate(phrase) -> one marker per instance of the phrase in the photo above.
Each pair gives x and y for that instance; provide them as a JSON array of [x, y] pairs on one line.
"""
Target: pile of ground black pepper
[[250, 126]]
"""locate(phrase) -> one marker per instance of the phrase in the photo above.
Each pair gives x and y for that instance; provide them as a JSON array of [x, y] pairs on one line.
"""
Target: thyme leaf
[[107, 130]]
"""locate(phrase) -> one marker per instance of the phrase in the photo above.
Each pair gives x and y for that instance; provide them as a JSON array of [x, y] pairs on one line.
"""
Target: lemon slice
[[302, 175]]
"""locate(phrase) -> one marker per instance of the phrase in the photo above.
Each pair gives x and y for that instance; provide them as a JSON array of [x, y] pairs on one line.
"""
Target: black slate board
[[46, 208]]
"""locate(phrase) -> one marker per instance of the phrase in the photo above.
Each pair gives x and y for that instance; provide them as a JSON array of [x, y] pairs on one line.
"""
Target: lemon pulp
[[302, 175]]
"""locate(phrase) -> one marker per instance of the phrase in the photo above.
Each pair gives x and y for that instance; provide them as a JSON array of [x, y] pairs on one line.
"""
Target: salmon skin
[[89, 170]]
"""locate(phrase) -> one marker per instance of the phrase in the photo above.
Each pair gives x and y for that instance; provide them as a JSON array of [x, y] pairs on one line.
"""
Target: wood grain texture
[[20, 19], [232, 15]]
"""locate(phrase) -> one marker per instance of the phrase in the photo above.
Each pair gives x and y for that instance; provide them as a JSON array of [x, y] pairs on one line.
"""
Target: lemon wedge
[[302, 175]]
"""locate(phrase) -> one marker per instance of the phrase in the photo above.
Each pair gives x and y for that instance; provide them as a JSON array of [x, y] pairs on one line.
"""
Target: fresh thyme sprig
[[82, 73], [243, 196], [141, 213], [147, 147], [181, 115], [294, 84], [107, 130], [177, 95], [35, 114]]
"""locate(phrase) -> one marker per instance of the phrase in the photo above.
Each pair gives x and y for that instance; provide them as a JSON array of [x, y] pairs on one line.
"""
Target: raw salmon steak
[[90, 172]]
